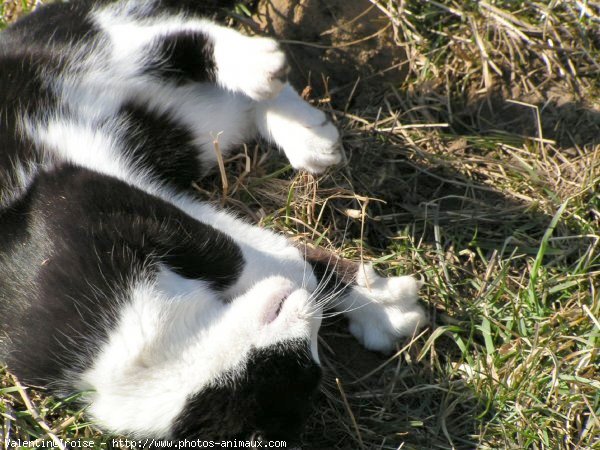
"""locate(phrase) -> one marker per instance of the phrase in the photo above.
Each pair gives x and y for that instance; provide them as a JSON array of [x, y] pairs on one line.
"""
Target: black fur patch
[[55, 24], [159, 143], [70, 250], [185, 56], [271, 398], [22, 91]]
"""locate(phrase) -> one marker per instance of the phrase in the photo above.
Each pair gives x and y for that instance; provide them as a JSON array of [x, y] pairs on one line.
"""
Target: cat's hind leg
[[380, 310]]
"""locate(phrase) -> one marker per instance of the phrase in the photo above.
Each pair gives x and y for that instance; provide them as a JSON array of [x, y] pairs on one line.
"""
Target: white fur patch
[[83, 144], [250, 65], [175, 336]]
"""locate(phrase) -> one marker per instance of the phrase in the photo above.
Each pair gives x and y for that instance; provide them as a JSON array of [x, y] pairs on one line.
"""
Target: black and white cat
[[175, 318]]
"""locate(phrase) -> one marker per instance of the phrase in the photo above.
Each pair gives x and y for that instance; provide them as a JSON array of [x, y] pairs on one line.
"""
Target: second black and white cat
[[174, 318]]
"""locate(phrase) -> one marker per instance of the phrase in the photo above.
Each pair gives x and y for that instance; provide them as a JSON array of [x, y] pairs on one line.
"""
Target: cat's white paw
[[382, 310], [255, 66], [315, 148], [306, 135]]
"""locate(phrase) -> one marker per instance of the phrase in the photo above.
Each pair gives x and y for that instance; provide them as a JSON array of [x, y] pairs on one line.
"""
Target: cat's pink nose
[[273, 314]]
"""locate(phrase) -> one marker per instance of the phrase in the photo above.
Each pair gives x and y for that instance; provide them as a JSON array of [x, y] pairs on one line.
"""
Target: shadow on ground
[[398, 403]]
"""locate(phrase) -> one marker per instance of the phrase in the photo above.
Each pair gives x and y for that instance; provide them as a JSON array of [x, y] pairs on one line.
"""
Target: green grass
[[498, 210]]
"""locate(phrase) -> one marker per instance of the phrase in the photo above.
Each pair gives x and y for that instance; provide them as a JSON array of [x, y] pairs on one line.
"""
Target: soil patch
[[335, 45]]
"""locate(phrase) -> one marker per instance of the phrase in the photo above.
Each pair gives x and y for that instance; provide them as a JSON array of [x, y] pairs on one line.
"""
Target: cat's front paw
[[383, 310], [255, 66], [316, 146], [308, 138]]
